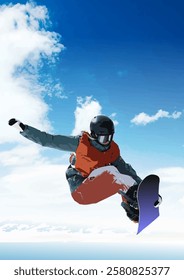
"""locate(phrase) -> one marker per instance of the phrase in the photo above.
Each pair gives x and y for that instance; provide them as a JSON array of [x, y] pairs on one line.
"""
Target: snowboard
[[148, 201]]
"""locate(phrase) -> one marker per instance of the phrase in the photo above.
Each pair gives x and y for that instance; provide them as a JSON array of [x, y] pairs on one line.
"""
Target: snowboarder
[[96, 169]]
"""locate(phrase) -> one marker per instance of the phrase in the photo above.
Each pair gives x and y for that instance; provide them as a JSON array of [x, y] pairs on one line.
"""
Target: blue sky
[[129, 57], [67, 61]]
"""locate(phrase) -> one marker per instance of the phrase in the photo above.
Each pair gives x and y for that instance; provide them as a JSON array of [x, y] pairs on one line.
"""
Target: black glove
[[16, 124]]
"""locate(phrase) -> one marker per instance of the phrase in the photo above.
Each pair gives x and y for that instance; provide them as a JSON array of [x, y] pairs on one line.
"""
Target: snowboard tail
[[148, 196]]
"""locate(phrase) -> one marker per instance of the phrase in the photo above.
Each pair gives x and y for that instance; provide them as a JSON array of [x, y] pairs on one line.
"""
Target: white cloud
[[172, 191], [112, 117], [171, 175], [25, 43], [20, 155], [144, 119], [45, 232], [86, 109]]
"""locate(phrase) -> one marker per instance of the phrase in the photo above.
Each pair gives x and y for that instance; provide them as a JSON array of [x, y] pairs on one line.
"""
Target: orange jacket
[[89, 158]]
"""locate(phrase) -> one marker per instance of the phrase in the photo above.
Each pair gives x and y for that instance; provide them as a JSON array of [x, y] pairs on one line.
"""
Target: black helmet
[[102, 129]]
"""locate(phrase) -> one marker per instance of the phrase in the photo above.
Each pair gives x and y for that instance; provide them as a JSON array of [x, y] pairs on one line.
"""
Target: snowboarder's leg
[[101, 184]]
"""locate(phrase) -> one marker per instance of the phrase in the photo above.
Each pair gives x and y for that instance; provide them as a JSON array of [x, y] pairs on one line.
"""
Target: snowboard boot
[[130, 203]]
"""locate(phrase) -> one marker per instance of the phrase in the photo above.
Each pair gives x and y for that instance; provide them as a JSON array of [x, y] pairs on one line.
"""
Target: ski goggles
[[104, 139]]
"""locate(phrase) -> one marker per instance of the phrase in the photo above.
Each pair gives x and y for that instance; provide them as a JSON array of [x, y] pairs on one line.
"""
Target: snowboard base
[[148, 201]]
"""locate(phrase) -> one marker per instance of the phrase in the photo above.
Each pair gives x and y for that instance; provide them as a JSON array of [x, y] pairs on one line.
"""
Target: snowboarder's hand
[[16, 124], [12, 122]]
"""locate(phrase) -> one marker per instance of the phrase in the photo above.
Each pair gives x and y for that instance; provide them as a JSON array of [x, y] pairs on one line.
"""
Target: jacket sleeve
[[61, 142], [126, 168]]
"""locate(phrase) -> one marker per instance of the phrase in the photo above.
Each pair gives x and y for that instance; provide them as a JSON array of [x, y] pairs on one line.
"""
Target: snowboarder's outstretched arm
[[61, 142], [126, 168]]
